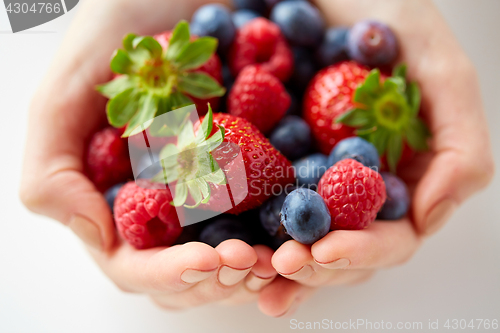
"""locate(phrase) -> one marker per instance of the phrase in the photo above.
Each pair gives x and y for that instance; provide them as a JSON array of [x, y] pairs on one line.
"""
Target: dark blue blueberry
[[271, 3], [269, 212], [258, 6], [111, 194], [148, 166], [225, 228], [372, 43], [333, 48], [304, 69], [305, 216], [358, 149], [300, 22], [214, 20], [228, 81], [398, 198], [294, 109], [310, 169], [292, 137], [242, 17]]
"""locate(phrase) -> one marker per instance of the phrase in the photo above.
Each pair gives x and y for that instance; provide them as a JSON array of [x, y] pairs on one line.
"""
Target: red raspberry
[[107, 160], [261, 43], [353, 193], [258, 97], [144, 216]]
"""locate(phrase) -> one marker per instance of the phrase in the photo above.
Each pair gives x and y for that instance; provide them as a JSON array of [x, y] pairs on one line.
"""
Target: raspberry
[[107, 160], [261, 43], [258, 97], [144, 216], [353, 193]]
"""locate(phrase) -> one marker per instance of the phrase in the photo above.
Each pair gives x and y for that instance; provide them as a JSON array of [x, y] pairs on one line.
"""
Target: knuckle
[[30, 196]]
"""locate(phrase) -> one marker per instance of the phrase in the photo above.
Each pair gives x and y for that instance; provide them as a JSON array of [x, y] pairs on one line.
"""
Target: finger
[[294, 261], [382, 244], [159, 270], [237, 259], [263, 271], [282, 297]]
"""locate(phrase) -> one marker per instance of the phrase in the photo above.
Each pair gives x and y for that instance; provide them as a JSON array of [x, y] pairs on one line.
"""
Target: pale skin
[[66, 110]]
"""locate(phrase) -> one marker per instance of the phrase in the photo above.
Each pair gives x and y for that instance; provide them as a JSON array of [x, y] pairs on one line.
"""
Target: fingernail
[[303, 273], [438, 215], [87, 230], [193, 275], [230, 276], [255, 283], [337, 264]]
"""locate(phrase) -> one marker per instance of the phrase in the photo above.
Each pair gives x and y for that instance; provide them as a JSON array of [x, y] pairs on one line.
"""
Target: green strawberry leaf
[[144, 117], [186, 136], [180, 100], [178, 41], [394, 151], [195, 192], [216, 177], [206, 126], [181, 193], [121, 62], [148, 43], [215, 140], [417, 134], [414, 97], [395, 83], [400, 71], [200, 85], [118, 85], [123, 107], [196, 53], [355, 118], [367, 92], [379, 139], [128, 41]]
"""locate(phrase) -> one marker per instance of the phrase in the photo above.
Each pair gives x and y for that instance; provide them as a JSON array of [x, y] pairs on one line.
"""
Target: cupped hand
[[459, 163], [64, 113]]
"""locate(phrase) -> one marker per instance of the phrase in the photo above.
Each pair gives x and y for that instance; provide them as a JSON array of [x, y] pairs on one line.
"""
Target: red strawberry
[[227, 166], [156, 75], [107, 159], [353, 193], [328, 96], [144, 215], [261, 43], [259, 97]]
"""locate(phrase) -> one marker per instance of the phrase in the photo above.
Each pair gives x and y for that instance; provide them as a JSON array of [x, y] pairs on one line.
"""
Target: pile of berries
[[315, 110]]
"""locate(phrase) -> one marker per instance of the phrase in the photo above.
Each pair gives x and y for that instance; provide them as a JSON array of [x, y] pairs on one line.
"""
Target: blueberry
[[148, 166], [228, 81], [305, 216], [292, 137], [241, 17], [269, 212], [333, 48], [398, 198], [224, 228], [258, 6], [111, 194], [214, 20], [310, 169], [304, 69], [272, 3], [372, 43], [356, 148], [294, 109], [299, 21]]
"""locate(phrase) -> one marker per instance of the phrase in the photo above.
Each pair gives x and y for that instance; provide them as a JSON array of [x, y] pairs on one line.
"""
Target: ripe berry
[[333, 49], [310, 169], [398, 198], [243, 16], [261, 43], [300, 22], [225, 228], [107, 160], [358, 149], [144, 215], [305, 216], [372, 43], [269, 212], [259, 97], [354, 194], [111, 194], [256, 5], [303, 71], [292, 137], [214, 20]]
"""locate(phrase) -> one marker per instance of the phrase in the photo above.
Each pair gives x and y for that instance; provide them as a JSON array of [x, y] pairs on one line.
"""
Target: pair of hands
[[66, 110]]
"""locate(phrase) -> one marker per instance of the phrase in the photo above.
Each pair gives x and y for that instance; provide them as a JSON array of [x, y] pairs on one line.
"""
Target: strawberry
[[227, 166], [107, 159], [259, 97], [156, 76], [261, 43], [353, 193], [346, 99], [328, 96], [144, 215]]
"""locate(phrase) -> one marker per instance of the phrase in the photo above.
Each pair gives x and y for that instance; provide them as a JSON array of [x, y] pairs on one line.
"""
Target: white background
[[49, 284]]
